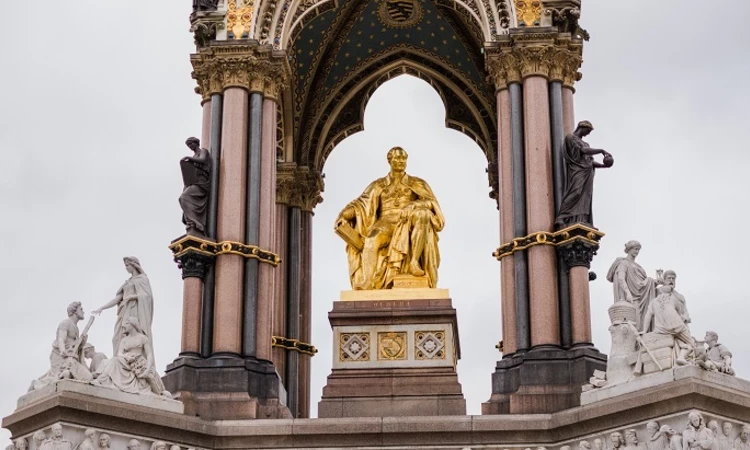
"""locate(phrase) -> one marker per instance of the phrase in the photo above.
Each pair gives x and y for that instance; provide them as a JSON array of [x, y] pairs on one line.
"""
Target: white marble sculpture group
[[132, 368], [650, 326]]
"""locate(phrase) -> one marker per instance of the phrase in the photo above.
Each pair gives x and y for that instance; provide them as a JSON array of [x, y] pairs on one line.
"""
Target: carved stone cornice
[[298, 187], [252, 67], [551, 55]]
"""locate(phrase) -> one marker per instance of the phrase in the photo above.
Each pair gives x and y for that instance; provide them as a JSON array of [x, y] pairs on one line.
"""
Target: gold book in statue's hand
[[349, 235]]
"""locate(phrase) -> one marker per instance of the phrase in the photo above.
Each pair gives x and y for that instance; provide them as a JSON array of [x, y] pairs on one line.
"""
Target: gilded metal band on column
[[192, 244], [577, 232], [209, 284], [294, 345]]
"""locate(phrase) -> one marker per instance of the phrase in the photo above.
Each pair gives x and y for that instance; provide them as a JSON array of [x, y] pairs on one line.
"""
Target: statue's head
[[670, 278], [132, 265], [89, 351], [20, 444], [397, 157], [632, 248], [75, 309], [584, 128], [745, 433], [193, 143], [631, 438], [726, 427], [616, 439], [104, 440], [711, 338], [584, 445], [598, 444], [695, 419], [652, 427], [38, 437], [57, 430], [131, 324], [713, 426], [90, 433], [134, 444]]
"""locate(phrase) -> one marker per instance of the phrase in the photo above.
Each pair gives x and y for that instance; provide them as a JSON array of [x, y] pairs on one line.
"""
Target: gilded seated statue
[[391, 229]]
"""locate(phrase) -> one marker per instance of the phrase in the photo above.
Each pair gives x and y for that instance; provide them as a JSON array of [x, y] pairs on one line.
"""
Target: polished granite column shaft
[[505, 167], [228, 308], [544, 306], [520, 259], [558, 166], [267, 230], [209, 284]]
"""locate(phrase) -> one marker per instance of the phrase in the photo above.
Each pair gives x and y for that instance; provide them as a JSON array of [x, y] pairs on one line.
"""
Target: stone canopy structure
[[281, 83]]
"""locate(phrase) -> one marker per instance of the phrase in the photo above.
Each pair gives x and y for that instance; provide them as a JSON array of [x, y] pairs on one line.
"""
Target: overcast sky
[[98, 100]]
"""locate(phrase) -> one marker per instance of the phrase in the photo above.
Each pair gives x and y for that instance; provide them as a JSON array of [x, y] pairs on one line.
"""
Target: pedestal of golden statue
[[394, 354]]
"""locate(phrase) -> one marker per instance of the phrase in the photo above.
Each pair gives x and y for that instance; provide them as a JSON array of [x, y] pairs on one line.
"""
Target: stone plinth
[[223, 388], [544, 380], [395, 354], [71, 386]]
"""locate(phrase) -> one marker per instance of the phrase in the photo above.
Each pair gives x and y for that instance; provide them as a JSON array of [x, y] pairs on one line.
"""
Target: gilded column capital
[[298, 187], [252, 67], [552, 55]]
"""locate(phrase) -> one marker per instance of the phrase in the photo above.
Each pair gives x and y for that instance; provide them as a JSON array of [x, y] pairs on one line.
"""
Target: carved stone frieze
[[298, 186], [216, 68], [550, 55], [62, 436]]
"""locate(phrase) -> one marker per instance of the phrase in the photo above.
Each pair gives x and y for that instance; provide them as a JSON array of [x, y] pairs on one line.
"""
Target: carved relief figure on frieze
[[391, 230]]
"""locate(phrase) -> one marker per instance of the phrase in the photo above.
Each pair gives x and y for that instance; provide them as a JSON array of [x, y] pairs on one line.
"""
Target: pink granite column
[[266, 238], [191, 316], [231, 222], [507, 275], [279, 306], [580, 303], [569, 114], [544, 307]]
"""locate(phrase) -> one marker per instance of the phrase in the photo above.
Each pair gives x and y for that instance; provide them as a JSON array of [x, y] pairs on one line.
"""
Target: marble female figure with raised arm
[[133, 299]]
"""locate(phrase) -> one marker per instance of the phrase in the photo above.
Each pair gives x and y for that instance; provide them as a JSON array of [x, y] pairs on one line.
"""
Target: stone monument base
[[227, 388], [716, 396], [395, 354], [542, 380]]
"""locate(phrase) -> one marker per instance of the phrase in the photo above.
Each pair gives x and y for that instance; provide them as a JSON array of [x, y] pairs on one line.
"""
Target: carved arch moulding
[[278, 22]]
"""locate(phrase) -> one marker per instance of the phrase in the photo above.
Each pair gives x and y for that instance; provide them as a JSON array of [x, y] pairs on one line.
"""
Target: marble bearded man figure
[[397, 218]]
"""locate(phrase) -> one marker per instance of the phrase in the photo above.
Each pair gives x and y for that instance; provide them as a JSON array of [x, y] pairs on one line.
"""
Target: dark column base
[[228, 388], [542, 380]]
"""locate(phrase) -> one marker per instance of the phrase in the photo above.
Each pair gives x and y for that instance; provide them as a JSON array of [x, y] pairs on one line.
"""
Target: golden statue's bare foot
[[415, 270]]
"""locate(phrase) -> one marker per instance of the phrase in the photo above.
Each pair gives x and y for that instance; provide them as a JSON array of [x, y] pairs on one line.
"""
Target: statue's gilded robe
[[393, 259]]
